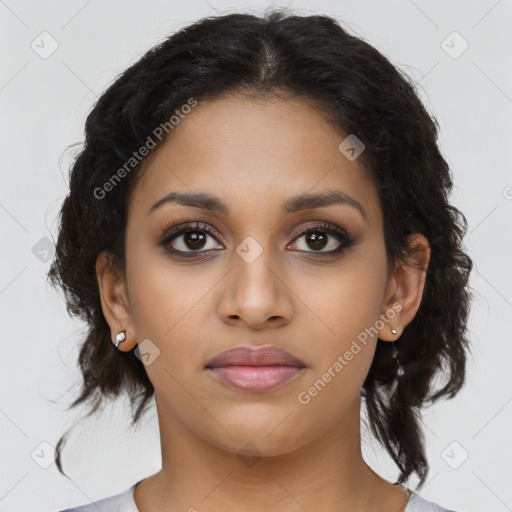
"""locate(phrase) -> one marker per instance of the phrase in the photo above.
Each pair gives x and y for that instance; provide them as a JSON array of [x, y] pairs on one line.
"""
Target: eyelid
[[182, 228], [346, 240], [325, 225]]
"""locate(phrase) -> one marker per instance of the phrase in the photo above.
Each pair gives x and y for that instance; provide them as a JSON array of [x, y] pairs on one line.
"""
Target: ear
[[405, 287], [114, 300]]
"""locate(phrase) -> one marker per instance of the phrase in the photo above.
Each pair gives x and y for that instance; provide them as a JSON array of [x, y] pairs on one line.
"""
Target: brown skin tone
[[253, 155]]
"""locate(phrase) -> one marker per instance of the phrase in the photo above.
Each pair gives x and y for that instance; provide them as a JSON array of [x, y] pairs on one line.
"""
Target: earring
[[400, 369], [120, 338]]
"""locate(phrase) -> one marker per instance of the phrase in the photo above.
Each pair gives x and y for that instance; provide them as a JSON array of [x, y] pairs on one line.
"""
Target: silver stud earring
[[120, 337], [400, 369]]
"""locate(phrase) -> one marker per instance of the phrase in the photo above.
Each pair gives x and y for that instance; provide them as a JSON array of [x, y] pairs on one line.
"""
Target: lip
[[246, 355], [254, 369], [256, 379]]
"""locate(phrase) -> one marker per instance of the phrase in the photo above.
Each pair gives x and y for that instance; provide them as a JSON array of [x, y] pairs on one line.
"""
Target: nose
[[256, 295]]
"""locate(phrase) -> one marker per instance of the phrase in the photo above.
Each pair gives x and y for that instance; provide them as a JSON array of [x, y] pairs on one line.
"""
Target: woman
[[258, 233]]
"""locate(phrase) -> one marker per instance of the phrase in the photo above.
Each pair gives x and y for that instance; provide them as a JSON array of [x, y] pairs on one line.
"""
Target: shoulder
[[122, 502], [418, 504]]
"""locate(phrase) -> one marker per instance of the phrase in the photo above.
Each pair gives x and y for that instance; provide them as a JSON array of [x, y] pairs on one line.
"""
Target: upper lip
[[246, 355]]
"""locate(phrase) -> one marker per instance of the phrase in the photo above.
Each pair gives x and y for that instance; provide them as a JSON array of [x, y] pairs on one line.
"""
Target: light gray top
[[124, 502]]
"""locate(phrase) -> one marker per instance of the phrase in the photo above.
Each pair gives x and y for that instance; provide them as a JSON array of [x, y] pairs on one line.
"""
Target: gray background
[[44, 102]]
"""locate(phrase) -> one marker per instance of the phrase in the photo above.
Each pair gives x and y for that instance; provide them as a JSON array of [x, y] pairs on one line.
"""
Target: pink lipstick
[[255, 369]]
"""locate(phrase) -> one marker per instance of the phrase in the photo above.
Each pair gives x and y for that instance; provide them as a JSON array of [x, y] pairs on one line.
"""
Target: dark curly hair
[[358, 90]]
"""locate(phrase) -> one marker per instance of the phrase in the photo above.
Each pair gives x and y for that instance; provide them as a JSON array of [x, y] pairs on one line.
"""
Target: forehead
[[253, 152]]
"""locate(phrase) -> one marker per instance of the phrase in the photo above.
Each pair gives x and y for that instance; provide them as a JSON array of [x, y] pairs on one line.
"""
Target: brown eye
[[317, 240], [194, 240], [190, 239], [322, 236]]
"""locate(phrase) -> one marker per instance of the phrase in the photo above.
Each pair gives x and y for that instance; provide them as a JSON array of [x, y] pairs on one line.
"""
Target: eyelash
[[346, 240]]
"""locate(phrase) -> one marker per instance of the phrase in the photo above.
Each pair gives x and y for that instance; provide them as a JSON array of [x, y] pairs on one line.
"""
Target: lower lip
[[256, 379]]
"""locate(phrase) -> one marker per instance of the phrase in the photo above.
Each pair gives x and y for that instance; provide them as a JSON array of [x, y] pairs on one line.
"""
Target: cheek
[[343, 354], [343, 303], [346, 308], [159, 295], [166, 303]]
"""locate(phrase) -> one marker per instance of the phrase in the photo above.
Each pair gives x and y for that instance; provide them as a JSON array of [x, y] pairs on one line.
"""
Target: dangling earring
[[120, 338], [400, 369]]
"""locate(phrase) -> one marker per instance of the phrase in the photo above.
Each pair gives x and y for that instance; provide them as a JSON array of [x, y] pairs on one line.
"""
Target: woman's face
[[252, 278]]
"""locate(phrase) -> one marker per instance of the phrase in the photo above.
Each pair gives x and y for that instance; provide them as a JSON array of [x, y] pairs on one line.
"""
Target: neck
[[330, 470]]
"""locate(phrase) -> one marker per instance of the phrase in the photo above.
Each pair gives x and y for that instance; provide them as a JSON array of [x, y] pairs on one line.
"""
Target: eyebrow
[[291, 205]]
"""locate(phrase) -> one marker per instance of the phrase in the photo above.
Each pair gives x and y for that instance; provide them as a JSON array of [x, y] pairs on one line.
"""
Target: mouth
[[255, 370], [246, 355]]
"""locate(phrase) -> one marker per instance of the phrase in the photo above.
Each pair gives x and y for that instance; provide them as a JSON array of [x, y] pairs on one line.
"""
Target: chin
[[251, 441]]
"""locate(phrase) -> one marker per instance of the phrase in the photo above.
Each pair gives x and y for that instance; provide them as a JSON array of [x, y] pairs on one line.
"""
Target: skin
[[254, 154]]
